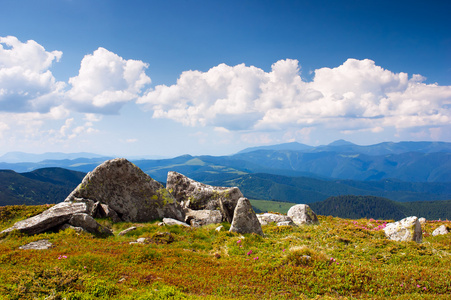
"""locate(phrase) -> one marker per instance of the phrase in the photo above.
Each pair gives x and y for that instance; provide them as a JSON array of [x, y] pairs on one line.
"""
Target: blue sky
[[167, 78]]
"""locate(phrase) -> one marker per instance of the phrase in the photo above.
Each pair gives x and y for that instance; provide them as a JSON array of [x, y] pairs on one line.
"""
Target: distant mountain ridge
[[18, 157]]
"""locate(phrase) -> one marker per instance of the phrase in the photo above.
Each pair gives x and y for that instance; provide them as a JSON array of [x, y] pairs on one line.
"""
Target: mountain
[[49, 185], [356, 207], [294, 146], [309, 190], [16, 157]]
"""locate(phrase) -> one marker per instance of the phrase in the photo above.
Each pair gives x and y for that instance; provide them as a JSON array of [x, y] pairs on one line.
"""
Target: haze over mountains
[[293, 172]]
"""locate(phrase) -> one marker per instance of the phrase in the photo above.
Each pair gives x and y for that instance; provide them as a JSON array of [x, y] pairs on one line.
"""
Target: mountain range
[[293, 172]]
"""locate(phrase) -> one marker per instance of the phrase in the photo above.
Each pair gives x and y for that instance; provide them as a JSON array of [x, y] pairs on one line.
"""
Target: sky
[[167, 78]]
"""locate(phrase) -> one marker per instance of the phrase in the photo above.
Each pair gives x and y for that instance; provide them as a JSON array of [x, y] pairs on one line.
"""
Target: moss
[[165, 196]]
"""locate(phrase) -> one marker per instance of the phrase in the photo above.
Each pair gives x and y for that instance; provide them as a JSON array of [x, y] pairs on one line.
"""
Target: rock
[[202, 217], [88, 223], [219, 228], [267, 218], [440, 230], [302, 214], [244, 218], [124, 232], [169, 222], [408, 229], [52, 217], [199, 196], [141, 240], [422, 221], [127, 190], [38, 245], [104, 211], [286, 223]]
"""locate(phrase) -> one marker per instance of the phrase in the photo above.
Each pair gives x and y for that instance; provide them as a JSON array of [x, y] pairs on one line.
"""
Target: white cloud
[[105, 82], [354, 96], [26, 84]]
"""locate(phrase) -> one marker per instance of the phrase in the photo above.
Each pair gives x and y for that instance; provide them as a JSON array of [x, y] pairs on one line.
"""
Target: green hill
[[42, 186]]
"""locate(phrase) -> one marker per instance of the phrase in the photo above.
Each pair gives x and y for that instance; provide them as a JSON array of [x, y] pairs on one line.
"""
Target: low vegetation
[[338, 259]]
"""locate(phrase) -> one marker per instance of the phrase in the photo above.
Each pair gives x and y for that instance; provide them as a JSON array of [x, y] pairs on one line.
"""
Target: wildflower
[[255, 258], [84, 267], [401, 284], [418, 286], [424, 288], [249, 253], [283, 250], [239, 241]]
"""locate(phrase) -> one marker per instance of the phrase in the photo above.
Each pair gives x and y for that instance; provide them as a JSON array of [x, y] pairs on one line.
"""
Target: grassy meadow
[[338, 259]]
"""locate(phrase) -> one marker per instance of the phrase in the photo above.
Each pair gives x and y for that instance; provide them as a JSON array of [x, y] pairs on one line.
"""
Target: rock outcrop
[[244, 218], [37, 245], [408, 229], [128, 191], [440, 230], [52, 218], [202, 217], [170, 221], [198, 196], [302, 214], [268, 218], [88, 223]]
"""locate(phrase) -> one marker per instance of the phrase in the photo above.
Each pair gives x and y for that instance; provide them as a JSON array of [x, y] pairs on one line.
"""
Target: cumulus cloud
[[105, 82], [26, 84], [354, 96]]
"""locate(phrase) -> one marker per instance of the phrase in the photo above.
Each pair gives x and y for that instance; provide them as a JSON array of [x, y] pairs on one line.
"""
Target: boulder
[[88, 223], [408, 229], [422, 221], [440, 230], [244, 218], [127, 190], [169, 222], [302, 214], [202, 217], [37, 245], [199, 196], [52, 217], [268, 218]]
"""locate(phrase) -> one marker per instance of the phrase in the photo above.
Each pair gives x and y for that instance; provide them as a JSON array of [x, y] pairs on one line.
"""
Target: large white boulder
[[302, 214], [408, 229]]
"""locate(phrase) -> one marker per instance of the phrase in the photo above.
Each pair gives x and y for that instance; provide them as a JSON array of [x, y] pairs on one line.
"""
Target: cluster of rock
[[123, 192]]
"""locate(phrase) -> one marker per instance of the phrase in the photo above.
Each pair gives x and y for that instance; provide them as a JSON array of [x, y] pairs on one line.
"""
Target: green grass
[[348, 259], [274, 206]]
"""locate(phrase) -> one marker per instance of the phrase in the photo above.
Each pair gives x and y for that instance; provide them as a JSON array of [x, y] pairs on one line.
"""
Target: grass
[[274, 206], [338, 259]]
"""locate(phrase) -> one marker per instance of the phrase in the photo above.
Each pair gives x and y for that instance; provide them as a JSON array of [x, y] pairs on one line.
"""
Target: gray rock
[[219, 228], [37, 245], [268, 218], [244, 218], [286, 223], [52, 217], [169, 222], [141, 240], [440, 230], [202, 217], [422, 221], [407, 229], [104, 211], [127, 190], [302, 214], [88, 223], [199, 196], [124, 232]]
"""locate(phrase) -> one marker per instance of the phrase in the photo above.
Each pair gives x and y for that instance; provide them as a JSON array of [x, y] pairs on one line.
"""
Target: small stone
[[141, 240], [219, 228], [422, 220], [169, 221], [37, 245], [124, 232]]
